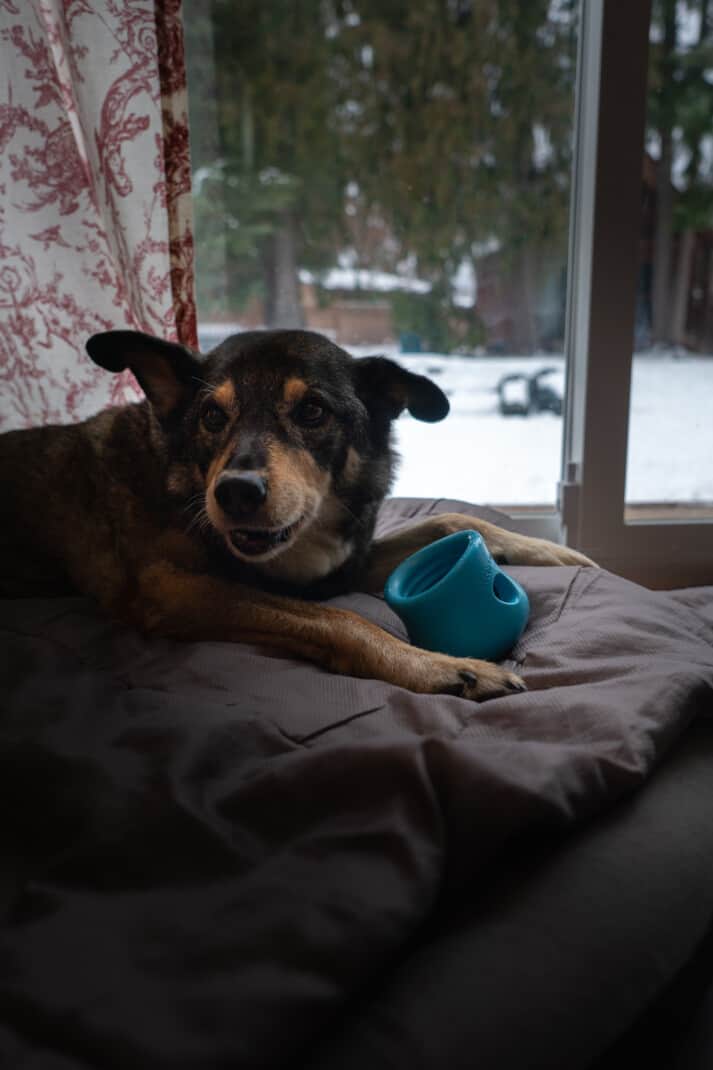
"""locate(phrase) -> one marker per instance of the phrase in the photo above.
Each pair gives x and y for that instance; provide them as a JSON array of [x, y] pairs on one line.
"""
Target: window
[[446, 182], [670, 445], [397, 176]]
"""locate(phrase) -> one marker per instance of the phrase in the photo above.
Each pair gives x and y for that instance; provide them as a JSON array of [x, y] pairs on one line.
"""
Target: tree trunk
[[663, 244], [663, 239], [705, 341], [682, 287], [283, 307], [687, 241], [524, 334]]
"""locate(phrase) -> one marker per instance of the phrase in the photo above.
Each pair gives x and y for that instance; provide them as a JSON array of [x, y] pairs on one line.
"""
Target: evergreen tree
[[679, 120], [464, 116], [271, 197], [442, 125]]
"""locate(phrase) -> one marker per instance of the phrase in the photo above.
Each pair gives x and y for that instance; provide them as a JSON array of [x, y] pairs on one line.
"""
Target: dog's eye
[[310, 413], [213, 418]]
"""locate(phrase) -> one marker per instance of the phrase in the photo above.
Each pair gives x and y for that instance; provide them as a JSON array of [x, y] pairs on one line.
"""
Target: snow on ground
[[479, 455], [475, 453], [671, 429]]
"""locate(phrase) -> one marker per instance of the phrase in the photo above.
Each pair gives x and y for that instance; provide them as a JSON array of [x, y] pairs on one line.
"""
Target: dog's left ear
[[166, 371], [384, 385]]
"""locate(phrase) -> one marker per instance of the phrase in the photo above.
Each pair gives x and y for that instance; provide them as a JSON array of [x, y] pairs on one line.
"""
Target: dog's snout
[[240, 493], [250, 455]]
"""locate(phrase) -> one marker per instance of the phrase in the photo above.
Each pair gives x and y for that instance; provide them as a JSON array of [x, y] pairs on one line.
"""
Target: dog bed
[[215, 857]]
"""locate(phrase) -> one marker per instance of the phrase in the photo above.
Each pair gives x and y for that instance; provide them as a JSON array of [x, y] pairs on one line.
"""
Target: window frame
[[603, 267]]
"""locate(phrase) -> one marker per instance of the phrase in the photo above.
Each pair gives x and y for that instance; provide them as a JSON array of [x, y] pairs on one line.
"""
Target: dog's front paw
[[567, 556], [466, 677], [525, 550], [508, 547], [480, 680]]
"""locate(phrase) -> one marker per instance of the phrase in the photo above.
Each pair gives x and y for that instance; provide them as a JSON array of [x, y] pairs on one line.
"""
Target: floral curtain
[[95, 209]]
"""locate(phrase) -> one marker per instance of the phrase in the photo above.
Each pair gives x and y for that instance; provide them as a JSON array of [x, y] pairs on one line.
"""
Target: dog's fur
[[245, 486]]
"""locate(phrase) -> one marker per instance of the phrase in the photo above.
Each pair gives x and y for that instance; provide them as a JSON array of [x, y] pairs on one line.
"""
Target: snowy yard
[[479, 455]]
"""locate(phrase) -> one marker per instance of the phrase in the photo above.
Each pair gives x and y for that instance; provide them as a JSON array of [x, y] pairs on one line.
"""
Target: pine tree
[[441, 125], [271, 199], [453, 99], [680, 107]]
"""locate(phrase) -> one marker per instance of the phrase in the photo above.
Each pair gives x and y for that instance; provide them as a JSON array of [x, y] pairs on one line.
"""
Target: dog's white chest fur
[[316, 552]]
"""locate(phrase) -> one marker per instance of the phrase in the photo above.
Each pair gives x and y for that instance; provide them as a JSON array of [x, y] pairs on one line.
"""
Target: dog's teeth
[[255, 541]]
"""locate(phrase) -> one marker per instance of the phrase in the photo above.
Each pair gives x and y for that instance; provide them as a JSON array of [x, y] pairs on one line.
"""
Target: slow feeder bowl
[[454, 598]]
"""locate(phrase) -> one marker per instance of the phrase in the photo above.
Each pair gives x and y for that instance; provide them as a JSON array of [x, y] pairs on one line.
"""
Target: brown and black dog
[[244, 486]]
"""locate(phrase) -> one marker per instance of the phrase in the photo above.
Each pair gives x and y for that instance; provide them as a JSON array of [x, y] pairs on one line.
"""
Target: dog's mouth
[[256, 542]]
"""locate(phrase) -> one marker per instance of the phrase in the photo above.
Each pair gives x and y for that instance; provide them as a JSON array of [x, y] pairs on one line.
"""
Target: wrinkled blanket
[[208, 849]]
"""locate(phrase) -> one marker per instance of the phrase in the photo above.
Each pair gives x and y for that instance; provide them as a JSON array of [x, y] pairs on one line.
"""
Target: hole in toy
[[504, 589]]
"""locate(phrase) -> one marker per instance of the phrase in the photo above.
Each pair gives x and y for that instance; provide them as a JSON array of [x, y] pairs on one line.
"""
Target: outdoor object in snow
[[514, 395], [454, 598], [521, 395], [544, 392]]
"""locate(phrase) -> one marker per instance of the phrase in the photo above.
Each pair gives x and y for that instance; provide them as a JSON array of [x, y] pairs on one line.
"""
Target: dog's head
[[280, 436]]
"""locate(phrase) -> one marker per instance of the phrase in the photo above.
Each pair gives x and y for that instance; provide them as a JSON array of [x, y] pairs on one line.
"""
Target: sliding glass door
[[514, 197]]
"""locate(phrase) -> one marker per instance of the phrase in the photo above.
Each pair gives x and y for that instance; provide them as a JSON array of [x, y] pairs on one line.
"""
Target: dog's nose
[[240, 493]]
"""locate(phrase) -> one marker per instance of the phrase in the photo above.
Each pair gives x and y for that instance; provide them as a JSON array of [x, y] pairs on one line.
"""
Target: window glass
[[396, 175], [669, 465]]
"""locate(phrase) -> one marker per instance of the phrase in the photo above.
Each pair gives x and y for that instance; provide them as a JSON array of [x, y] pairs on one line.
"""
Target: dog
[[245, 486]]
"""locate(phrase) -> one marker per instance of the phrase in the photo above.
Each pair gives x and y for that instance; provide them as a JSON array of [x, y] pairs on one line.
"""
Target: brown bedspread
[[208, 850]]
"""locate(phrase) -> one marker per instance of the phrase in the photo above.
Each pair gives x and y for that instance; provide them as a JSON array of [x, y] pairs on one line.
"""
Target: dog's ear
[[384, 385], [166, 371]]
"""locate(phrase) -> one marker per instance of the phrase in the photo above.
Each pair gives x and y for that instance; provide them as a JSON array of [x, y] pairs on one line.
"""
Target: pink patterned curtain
[[95, 208]]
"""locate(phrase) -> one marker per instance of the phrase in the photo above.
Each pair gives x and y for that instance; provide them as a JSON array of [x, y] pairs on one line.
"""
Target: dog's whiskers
[[194, 501], [200, 522]]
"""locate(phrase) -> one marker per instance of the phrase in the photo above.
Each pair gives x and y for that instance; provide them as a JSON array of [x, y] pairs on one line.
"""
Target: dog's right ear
[[166, 371]]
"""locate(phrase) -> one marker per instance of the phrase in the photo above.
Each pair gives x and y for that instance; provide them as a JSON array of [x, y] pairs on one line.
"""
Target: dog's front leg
[[184, 605], [507, 547]]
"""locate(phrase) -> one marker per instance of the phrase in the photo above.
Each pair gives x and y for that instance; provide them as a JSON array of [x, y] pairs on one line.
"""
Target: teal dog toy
[[455, 599]]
